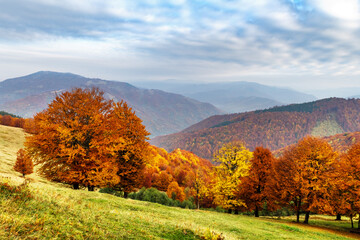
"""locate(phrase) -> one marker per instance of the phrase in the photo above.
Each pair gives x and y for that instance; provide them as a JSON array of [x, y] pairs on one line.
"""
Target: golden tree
[[23, 164], [77, 141], [233, 159]]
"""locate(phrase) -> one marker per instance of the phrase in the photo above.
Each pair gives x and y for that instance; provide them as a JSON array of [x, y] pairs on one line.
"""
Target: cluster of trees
[[181, 174], [84, 140], [11, 120], [273, 128], [309, 177]]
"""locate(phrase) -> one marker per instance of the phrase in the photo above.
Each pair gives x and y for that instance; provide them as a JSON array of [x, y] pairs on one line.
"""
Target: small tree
[[23, 164]]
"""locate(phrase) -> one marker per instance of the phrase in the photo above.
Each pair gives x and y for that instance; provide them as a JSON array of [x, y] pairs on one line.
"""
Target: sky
[[304, 45]]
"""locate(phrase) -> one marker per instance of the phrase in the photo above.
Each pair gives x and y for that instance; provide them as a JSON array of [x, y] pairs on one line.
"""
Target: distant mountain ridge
[[161, 112], [234, 97], [273, 128]]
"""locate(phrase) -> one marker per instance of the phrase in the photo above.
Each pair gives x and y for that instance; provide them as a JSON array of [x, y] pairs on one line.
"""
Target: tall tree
[[77, 141], [233, 159], [23, 164], [130, 158], [305, 171], [349, 185], [255, 189]]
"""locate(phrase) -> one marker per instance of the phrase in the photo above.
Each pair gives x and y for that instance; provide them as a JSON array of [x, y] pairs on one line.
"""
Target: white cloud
[[341, 9]]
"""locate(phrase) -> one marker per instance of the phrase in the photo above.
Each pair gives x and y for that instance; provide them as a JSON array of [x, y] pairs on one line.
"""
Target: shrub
[[156, 196], [16, 193]]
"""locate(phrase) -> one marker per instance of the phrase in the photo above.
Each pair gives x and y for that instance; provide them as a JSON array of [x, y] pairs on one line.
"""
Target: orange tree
[[255, 188], [130, 159], [304, 176], [23, 164], [347, 194], [77, 140]]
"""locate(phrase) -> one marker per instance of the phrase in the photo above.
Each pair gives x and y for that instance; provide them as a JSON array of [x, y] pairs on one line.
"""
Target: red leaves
[[23, 164]]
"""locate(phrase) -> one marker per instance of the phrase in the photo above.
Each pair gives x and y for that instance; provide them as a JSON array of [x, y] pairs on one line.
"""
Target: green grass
[[54, 211]]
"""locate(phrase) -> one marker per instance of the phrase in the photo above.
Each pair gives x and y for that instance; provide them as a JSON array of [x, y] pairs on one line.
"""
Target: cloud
[[182, 39]]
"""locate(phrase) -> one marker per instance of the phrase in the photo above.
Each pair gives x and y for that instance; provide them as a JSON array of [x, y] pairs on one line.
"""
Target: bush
[[21, 193], [156, 196], [112, 192]]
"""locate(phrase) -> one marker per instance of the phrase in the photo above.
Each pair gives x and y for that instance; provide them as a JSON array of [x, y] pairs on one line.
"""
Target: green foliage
[[112, 192], [3, 113], [156, 196]]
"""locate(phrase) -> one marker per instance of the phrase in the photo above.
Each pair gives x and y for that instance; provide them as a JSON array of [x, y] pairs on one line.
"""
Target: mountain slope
[[272, 128], [234, 96], [45, 210], [161, 112]]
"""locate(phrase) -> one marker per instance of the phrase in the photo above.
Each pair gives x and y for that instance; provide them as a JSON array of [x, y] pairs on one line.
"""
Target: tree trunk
[[23, 175], [352, 222], [307, 216], [198, 203], [229, 211], [338, 217], [298, 207], [75, 186], [126, 194], [91, 188], [256, 211]]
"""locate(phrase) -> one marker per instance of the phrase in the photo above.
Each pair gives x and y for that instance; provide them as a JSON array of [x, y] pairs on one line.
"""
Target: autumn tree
[[23, 164], [76, 140], [255, 189], [233, 159], [175, 192], [348, 192], [129, 159], [304, 173]]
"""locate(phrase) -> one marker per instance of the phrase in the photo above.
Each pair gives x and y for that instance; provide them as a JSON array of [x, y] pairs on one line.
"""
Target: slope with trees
[[272, 128]]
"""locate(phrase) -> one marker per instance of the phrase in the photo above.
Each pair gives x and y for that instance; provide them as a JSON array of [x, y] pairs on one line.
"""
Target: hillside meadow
[[45, 210]]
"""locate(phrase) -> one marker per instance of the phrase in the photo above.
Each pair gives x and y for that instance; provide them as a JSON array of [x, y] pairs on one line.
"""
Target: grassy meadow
[[44, 210]]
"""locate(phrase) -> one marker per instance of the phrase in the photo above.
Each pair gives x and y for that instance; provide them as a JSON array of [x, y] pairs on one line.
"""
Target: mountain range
[[233, 97], [162, 112], [273, 128]]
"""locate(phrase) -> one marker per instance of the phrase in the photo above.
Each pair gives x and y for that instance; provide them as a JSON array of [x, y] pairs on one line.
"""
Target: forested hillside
[[272, 128], [161, 112]]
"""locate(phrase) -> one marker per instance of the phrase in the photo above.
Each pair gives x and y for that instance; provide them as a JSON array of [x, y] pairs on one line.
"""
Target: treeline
[[273, 128], [84, 140], [309, 177], [8, 119]]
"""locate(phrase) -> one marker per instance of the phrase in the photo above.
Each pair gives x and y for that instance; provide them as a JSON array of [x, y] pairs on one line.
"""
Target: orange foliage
[[77, 140], [304, 176], [23, 164], [256, 188], [175, 192], [190, 172]]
